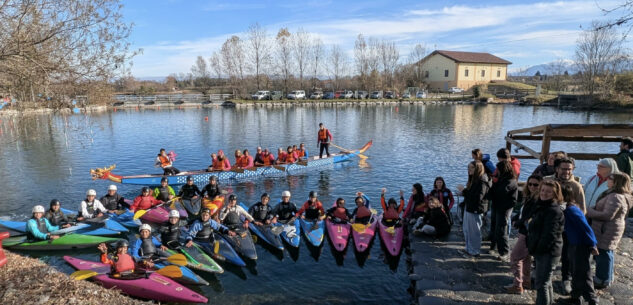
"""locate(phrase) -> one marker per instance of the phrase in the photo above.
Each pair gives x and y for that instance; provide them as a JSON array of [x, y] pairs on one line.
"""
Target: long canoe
[[201, 177]]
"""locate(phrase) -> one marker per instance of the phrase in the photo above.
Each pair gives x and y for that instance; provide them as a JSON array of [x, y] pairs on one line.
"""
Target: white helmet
[[145, 227], [285, 194], [91, 192], [174, 213], [38, 209], [112, 187]]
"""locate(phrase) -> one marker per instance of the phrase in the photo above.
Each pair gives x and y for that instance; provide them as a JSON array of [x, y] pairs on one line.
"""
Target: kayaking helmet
[[265, 195], [313, 194], [38, 209], [112, 187], [145, 227], [189, 178], [174, 213], [122, 243], [285, 194], [145, 189], [54, 202], [205, 210], [91, 192], [232, 197]]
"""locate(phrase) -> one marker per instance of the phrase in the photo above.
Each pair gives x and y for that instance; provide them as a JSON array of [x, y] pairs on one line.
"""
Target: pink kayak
[[338, 233], [363, 234], [392, 241], [161, 214], [155, 287]]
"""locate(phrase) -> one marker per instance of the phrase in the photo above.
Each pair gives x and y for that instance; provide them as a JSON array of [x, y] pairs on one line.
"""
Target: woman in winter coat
[[520, 259], [443, 194], [416, 207], [435, 221], [474, 205], [597, 184], [608, 219], [504, 196], [545, 238]]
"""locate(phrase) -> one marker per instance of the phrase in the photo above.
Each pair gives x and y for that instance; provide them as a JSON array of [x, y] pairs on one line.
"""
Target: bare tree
[[301, 48], [598, 53], [415, 59], [337, 65], [317, 57], [389, 56], [284, 55], [259, 50], [233, 60], [557, 70], [201, 75], [361, 59]]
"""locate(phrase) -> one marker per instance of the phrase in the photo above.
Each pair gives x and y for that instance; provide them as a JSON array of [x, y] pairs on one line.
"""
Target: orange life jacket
[[362, 212], [266, 159], [301, 153], [218, 165], [323, 134], [164, 161], [340, 213], [241, 161], [290, 158], [283, 156], [124, 263]]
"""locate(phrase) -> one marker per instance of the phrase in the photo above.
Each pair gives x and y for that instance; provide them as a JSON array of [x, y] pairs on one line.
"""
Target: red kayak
[[363, 234], [154, 287], [391, 237], [338, 233]]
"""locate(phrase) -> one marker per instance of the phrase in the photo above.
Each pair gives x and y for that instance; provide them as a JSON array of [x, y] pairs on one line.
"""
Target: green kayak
[[66, 242], [198, 259]]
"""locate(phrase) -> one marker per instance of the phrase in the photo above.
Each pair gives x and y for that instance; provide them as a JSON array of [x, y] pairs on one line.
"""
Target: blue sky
[[172, 33]]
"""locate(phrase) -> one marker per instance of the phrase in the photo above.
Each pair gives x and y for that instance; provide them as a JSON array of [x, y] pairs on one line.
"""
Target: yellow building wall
[[492, 72], [436, 66]]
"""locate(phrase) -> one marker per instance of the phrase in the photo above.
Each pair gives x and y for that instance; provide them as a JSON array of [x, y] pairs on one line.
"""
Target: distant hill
[[152, 78], [546, 69]]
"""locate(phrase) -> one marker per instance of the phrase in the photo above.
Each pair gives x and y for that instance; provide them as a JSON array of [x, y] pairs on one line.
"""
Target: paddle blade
[[390, 230], [138, 214], [281, 168], [359, 227], [178, 259], [82, 274], [170, 271], [216, 247], [362, 156]]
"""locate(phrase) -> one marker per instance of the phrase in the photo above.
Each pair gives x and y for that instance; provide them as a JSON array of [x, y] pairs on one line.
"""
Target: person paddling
[[144, 201], [91, 207], [313, 208], [55, 215], [38, 227], [147, 247], [338, 213], [362, 213], [392, 210], [121, 262], [164, 192], [323, 140], [170, 231], [262, 212], [112, 201]]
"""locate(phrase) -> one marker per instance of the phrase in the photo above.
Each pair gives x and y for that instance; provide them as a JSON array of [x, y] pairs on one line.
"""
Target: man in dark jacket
[[623, 159], [504, 196], [112, 201]]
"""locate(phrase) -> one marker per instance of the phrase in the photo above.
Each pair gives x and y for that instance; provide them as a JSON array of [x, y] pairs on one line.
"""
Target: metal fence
[[171, 98]]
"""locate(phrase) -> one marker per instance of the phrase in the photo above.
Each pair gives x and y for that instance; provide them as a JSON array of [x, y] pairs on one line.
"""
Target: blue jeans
[[604, 266], [472, 232]]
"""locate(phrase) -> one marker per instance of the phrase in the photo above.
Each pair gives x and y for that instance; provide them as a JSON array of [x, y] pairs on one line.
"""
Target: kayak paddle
[[170, 271], [360, 155]]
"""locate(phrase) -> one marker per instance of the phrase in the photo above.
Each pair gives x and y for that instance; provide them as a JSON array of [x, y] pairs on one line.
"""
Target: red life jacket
[[301, 153], [323, 134], [391, 213], [124, 262], [363, 212], [266, 159], [340, 213]]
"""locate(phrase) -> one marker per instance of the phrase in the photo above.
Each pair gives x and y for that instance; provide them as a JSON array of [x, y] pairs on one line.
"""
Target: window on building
[[466, 72], [483, 73], [445, 73], [426, 73], [498, 73]]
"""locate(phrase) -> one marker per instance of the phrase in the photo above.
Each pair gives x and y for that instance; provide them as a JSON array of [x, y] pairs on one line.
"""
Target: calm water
[[49, 156]]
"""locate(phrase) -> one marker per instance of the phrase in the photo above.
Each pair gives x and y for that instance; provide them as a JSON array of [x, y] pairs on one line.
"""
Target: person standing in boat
[[55, 215], [91, 207], [313, 208], [166, 164], [262, 212], [323, 140], [112, 201], [164, 192], [144, 201]]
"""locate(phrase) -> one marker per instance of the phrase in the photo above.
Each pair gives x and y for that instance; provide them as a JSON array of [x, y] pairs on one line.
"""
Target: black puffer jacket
[[437, 218], [474, 197], [545, 231], [504, 194], [521, 220]]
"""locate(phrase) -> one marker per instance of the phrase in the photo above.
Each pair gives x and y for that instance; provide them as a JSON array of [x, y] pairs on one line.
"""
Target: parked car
[[347, 94], [406, 95], [297, 95], [261, 95], [361, 95], [316, 95], [390, 94], [376, 94], [420, 94], [455, 90], [328, 95], [338, 94], [276, 95]]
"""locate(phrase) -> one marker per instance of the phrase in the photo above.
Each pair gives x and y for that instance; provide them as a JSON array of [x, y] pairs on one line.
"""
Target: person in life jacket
[[362, 213], [291, 155], [212, 189], [302, 153], [240, 162], [247, 159], [323, 140], [202, 230], [443, 194], [112, 201], [221, 164], [265, 158], [91, 207], [312, 209], [170, 231], [392, 210], [146, 248], [262, 212], [166, 164], [189, 191], [285, 211], [164, 192], [282, 156], [338, 213], [223, 158], [231, 214], [417, 205], [55, 215], [120, 262], [38, 227], [144, 201]]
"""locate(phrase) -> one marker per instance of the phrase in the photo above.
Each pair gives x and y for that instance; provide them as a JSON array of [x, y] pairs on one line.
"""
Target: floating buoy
[[206, 118], [158, 107], [114, 109], [396, 108], [136, 108]]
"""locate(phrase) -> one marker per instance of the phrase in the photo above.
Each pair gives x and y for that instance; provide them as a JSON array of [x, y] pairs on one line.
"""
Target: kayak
[[161, 214], [265, 233], [188, 277], [313, 231], [126, 219], [243, 243], [225, 250], [338, 233], [392, 240], [290, 232], [198, 259], [79, 228], [364, 234], [155, 286], [65, 242], [108, 223]]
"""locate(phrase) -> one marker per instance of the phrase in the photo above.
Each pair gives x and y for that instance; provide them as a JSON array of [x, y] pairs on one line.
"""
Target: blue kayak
[[225, 250], [265, 233], [188, 276], [80, 228], [126, 219], [290, 233], [110, 223], [313, 231]]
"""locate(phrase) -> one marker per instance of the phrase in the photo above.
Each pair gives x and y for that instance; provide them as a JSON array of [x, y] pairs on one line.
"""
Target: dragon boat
[[202, 176]]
